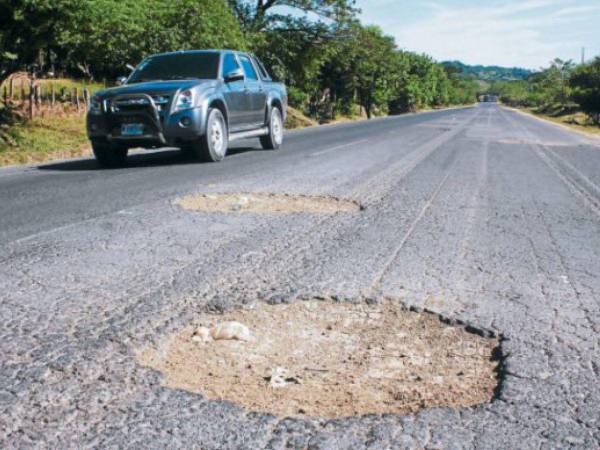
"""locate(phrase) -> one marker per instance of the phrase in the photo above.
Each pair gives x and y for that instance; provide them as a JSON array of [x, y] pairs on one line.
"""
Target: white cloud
[[526, 33]]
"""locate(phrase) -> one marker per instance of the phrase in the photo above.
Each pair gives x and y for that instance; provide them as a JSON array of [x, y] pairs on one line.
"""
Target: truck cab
[[196, 100]]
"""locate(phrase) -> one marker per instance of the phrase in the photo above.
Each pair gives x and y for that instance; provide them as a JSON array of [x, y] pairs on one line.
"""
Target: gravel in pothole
[[328, 359], [266, 203]]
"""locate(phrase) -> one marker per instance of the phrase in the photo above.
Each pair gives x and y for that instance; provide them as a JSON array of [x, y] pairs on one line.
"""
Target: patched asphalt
[[483, 215]]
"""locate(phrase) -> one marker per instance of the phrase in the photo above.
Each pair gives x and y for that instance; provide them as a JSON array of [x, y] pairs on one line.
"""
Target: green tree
[[585, 82], [98, 37], [29, 33], [105, 38], [296, 38], [550, 86], [373, 62], [261, 15]]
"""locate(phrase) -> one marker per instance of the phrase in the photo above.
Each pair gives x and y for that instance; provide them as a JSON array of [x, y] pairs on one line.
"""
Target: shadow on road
[[153, 158]]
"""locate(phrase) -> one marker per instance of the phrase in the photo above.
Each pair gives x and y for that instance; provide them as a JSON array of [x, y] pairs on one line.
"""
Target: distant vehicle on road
[[489, 98], [196, 100]]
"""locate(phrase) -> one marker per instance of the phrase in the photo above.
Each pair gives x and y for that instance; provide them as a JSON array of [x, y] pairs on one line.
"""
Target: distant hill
[[489, 73]]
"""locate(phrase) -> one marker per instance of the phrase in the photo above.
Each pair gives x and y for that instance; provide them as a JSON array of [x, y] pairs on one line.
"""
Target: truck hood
[[152, 87]]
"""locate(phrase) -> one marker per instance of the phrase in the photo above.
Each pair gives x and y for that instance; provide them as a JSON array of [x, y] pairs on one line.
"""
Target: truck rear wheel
[[108, 154], [212, 147], [274, 139]]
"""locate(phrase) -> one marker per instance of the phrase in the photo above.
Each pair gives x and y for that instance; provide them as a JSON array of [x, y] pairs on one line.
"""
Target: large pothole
[[266, 203], [330, 359]]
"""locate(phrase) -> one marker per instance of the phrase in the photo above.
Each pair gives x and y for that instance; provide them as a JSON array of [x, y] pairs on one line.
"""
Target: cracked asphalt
[[483, 215]]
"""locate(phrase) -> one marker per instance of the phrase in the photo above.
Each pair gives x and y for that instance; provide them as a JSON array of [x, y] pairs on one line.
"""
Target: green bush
[[585, 82]]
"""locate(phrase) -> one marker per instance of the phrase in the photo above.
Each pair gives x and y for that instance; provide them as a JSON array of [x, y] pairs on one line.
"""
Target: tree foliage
[[331, 63], [339, 65], [585, 82], [262, 15], [98, 37], [560, 88]]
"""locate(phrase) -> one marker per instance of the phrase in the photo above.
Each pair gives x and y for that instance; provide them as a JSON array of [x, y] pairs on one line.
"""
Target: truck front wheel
[[108, 154], [212, 147]]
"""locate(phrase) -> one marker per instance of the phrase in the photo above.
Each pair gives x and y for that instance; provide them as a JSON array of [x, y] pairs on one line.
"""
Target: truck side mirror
[[234, 75], [121, 81]]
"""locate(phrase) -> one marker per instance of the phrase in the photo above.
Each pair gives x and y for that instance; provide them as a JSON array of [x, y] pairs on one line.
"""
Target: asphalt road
[[480, 214]]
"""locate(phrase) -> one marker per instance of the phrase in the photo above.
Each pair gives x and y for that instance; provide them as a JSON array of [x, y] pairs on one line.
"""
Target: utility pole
[[582, 55]]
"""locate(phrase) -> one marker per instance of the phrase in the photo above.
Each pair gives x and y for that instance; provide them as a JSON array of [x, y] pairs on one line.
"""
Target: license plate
[[132, 129]]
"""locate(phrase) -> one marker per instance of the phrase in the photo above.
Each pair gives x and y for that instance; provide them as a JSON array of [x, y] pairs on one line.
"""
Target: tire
[[188, 151], [109, 155], [212, 147], [274, 139]]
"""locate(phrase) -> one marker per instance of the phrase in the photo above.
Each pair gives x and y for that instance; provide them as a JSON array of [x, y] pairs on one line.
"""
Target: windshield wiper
[[144, 80], [180, 77]]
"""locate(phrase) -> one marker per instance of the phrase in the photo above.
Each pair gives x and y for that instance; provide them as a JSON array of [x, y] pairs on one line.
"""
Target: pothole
[[266, 203], [329, 359]]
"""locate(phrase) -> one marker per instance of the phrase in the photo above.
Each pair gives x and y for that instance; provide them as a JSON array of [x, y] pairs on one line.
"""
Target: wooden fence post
[[31, 95], [11, 88], [52, 95], [86, 98], [77, 99], [36, 95]]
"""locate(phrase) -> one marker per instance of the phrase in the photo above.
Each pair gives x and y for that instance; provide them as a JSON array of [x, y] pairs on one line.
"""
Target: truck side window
[[261, 69], [248, 68], [229, 63]]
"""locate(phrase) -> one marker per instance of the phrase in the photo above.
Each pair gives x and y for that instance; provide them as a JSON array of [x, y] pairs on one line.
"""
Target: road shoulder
[[576, 129]]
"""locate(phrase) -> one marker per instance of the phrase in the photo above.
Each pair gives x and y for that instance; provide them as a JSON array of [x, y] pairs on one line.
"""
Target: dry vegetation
[[44, 139], [577, 121]]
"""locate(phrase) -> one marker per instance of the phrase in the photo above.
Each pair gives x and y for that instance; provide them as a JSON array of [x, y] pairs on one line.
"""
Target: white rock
[[230, 331], [278, 377], [202, 334]]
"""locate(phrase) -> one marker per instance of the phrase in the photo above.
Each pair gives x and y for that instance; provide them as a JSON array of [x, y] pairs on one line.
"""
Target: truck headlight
[[185, 100], [95, 105]]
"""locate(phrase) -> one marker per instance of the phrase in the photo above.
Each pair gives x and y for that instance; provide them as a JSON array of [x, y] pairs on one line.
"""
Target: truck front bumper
[[159, 128]]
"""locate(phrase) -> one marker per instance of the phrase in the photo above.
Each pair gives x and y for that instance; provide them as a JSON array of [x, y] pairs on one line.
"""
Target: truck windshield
[[180, 66]]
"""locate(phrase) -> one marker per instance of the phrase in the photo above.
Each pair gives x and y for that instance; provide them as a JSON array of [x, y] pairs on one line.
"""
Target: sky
[[510, 33]]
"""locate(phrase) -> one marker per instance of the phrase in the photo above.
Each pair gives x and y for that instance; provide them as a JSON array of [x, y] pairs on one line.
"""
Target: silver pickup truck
[[196, 100]]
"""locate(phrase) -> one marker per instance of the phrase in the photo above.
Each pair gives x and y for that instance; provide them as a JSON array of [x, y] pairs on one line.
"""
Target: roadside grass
[[575, 120], [295, 119], [68, 83], [65, 85], [44, 139]]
